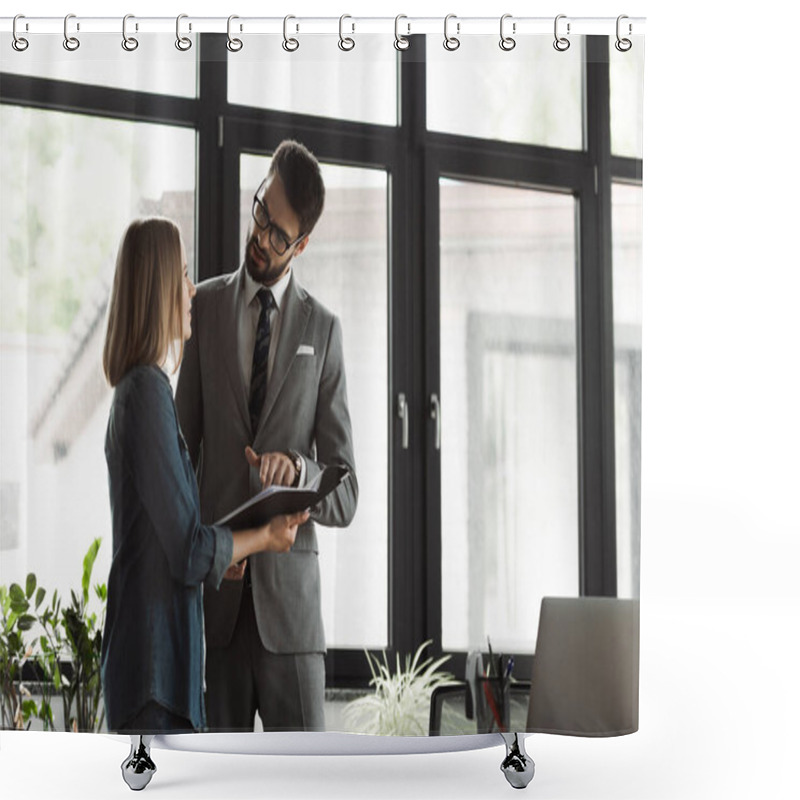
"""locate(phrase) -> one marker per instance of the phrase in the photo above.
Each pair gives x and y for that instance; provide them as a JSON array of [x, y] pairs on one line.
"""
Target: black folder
[[274, 500]]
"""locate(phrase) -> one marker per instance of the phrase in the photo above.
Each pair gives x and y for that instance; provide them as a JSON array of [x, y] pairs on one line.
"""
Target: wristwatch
[[297, 463]]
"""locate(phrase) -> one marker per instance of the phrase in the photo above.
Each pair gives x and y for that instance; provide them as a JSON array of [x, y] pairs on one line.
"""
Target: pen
[[492, 706]]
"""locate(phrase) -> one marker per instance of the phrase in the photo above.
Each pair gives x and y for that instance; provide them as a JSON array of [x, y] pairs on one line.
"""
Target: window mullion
[[595, 339]]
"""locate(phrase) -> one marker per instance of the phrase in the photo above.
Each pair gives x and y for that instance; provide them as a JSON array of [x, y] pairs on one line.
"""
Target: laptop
[[585, 679]]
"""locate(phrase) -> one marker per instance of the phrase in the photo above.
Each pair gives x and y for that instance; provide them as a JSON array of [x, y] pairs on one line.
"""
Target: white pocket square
[[305, 350]]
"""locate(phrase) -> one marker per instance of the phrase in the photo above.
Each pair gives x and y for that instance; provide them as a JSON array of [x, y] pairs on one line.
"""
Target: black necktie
[[258, 377]]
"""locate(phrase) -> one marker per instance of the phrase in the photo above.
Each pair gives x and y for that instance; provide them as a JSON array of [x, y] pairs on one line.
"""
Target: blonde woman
[[153, 652]]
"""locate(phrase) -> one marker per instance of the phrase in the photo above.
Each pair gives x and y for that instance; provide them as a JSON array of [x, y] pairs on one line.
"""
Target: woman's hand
[[280, 532], [235, 572], [277, 536], [274, 469]]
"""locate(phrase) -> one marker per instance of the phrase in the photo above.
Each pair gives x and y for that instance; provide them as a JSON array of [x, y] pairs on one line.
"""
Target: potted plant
[[14, 651], [400, 704], [66, 653]]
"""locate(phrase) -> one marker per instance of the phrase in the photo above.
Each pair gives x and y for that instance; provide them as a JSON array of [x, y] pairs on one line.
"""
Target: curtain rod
[[349, 25]]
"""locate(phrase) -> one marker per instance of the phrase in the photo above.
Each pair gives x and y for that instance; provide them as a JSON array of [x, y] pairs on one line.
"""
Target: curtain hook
[[623, 45], [19, 43], [129, 43], [400, 42], [290, 44], [507, 42], [183, 43], [233, 44], [451, 42], [561, 43], [70, 42], [345, 42]]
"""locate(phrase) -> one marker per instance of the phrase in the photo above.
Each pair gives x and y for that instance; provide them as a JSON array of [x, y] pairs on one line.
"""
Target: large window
[[626, 203], [481, 244], [531, 94], [317, 79], [71, 184], [159, 66], [508, 406]]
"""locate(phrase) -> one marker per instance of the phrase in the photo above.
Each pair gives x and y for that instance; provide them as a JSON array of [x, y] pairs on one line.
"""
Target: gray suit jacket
[[305, 410]]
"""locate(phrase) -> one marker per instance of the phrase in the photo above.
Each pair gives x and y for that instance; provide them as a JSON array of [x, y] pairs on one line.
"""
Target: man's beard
[[270, 271]]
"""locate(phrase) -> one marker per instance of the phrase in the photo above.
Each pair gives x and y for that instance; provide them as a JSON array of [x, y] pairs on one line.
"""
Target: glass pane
[[627, 84], [155, 66], [71, 184], [509, 411], [318, 78], [626, 220], [345, 266], [531, 94]]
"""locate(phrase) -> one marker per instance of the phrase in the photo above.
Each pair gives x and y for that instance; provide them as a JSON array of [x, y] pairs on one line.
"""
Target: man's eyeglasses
[[277, 238]]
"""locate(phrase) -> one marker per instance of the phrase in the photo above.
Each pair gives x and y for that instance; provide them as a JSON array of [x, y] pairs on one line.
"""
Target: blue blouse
[[153, 645]]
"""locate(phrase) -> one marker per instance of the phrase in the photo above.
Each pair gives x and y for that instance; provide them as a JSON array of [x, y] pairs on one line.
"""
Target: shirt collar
[[251, 288]]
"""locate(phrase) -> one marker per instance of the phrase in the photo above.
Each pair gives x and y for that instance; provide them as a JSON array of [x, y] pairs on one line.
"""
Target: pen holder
[[492, 708]]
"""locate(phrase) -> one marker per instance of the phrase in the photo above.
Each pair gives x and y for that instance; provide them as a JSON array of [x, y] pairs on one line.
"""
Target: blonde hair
[[146, 303]]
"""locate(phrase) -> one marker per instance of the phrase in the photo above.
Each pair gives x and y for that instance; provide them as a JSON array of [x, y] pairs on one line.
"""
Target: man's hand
[[274, 469]]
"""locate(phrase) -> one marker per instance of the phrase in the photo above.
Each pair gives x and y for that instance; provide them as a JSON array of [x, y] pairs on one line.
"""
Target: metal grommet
[[129, 43], [289, 44], [451, 42], [183, 43], [561, 43], [507, 42], [623, 45], [400, 42], [19, 43], [345, 42], [233, 44], [70, 42]]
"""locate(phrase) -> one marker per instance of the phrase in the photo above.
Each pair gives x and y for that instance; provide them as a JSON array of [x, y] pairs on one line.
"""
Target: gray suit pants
[[287, 690]]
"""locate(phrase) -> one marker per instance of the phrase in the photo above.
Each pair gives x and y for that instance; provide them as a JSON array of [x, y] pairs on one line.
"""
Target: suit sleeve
[[189, 393], [334, 437], [150, 441]]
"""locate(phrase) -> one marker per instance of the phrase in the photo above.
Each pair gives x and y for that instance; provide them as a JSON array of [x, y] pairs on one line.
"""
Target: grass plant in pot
[[400, 702]]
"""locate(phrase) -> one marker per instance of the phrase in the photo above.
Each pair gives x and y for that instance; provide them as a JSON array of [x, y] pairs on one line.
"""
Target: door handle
[[436, 416], [402, 414]]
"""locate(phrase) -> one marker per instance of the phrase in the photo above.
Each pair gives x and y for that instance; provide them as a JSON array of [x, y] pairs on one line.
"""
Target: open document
[[273, 500]]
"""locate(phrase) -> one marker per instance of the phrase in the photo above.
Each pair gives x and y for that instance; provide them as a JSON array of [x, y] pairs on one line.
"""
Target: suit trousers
[[286, 689]]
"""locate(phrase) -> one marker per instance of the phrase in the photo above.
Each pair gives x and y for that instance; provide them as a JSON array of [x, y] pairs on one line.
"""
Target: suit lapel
[[294, 321], [228, 328]]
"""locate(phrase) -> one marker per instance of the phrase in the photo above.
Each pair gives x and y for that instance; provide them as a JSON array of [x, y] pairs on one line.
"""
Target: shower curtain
[[480, 246]]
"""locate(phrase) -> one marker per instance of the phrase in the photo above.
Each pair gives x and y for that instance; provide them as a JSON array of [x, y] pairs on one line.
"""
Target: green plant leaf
[[30, 585], [40, 594], [19, 607], [25, 622], [16, 594], [88, 566], [29, 709]]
